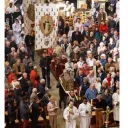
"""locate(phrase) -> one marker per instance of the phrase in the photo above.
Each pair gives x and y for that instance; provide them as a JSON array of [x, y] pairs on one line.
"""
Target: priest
[[115, 98], [84, 112], [70, 113]]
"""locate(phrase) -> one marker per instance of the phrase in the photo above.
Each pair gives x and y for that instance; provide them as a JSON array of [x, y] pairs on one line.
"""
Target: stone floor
[[55, 92]]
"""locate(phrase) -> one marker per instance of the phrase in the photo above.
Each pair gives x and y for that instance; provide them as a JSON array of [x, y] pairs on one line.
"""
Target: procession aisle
[[55, 92]]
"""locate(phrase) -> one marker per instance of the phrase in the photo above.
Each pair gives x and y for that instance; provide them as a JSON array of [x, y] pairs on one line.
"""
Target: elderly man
[[41, 88], [84, 111], [24, 82], [91, 92], [45, 67], [70, 114], [52, 112], [109, 64], [34, 95]]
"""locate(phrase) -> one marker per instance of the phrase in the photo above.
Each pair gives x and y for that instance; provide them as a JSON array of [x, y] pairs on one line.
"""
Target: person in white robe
[[16, 27], [85, 114], [116, 106], [118, 9], [70, 114]]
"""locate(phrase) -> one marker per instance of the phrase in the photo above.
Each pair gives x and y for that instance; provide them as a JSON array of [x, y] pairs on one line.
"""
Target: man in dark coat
[[107, 98], [111, 24], [12, 113], [29, 41], [25, 111], [41, 88], [76, 35], [62, 94], [45, 67], [24, 83], [35, 113]]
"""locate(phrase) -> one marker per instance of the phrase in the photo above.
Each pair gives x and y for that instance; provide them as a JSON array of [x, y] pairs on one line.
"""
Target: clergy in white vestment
[[16, 27], [85, 113], [70, 114], [118, 8], [116, 106]]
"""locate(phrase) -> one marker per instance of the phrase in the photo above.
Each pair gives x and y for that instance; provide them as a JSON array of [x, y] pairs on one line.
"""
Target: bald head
[[25, 75]]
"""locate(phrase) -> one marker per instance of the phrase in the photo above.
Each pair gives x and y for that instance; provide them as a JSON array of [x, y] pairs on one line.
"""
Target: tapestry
[[46, 26]]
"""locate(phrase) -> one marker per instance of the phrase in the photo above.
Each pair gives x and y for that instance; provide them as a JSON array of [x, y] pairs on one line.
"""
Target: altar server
[[116, 101], [16, 30], [85, 112], [70, 114]]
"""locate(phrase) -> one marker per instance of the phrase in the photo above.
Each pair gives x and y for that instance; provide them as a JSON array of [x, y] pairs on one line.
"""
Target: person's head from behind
[[25, 75], [34, 90], [42, 81], [99, 97], [52, 99], [26, 99], [35, 68]]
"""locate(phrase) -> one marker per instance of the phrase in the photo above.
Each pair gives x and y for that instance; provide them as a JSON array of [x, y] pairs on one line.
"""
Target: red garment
[[33, 74], [85, 70], [109, 81], [10, 77], [36, 83], [103, 28]]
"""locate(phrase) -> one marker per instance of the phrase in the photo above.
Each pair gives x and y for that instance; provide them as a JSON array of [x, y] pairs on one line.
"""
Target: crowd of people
[[92, 52]]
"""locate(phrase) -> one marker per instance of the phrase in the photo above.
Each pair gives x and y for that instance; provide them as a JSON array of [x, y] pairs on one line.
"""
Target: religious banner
[[28, 9], [46, 26]]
